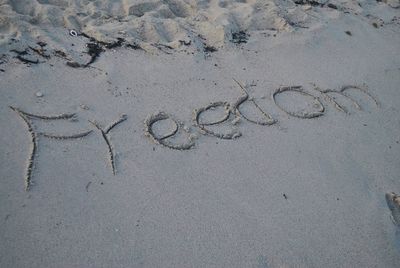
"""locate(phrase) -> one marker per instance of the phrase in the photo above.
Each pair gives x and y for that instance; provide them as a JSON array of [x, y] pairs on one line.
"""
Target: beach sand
[[290, 191]]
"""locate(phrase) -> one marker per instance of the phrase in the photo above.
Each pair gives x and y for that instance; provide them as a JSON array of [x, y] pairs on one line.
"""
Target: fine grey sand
[[234, 134]]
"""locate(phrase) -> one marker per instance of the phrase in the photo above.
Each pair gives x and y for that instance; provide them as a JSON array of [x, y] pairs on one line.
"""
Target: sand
[[253, 134]]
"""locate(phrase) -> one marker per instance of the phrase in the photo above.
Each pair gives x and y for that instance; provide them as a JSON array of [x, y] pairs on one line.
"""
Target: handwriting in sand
[[232, 115]]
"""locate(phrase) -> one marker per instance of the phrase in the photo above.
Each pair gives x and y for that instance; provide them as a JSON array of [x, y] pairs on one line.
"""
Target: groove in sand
[[104, 133], [236, 108], [34, 137], [299, 89], [152, 119], [196, 118]]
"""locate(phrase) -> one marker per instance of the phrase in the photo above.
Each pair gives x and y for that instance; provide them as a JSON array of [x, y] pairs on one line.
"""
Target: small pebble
[[84, 107], [39, 94]]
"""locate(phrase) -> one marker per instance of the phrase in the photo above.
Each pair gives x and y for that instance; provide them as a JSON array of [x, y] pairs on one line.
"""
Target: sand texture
[[169, 24], [190, 133]]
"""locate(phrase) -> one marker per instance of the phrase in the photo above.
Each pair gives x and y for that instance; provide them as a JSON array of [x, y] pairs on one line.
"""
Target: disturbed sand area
[[293, 192], [177, 25]]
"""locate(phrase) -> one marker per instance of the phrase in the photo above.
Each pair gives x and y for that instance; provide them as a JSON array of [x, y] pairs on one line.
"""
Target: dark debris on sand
[[239, 37], [21, 56], [315, 3], [3, 59], [40, 51], [209, 49], [26, 55], [94, 51], [96, 47], [31, 54], [307, 2]]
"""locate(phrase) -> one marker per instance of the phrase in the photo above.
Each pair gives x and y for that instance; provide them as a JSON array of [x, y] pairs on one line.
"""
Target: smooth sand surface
[[297, 193]]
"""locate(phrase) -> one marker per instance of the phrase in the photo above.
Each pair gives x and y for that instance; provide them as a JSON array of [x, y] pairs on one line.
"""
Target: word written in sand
[[180, 137], [232, 114]]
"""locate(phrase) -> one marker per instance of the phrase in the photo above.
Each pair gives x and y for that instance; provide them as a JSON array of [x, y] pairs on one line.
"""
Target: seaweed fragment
[[21, 53], [239, 37], [315, 3], [92, 39], [134, 46], [330, 5], [61, 54], [163, 47], [308, 2], [40, 51], [96, 47], [120, 41], [3, 59], [209, 49], [185, 43], [94, 51]]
